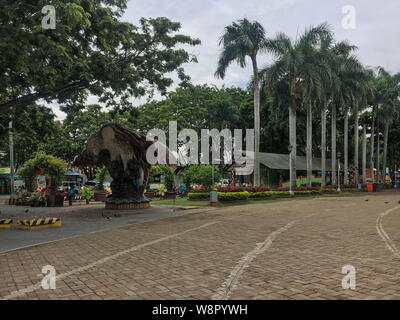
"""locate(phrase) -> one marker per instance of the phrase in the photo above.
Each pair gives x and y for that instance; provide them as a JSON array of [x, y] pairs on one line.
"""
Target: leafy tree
[[244, 39], [54, 168], [201, 174], [294, 70], [35, 129], [89, 52]]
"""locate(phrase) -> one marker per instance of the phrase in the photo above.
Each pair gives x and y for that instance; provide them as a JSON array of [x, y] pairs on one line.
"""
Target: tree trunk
[[309, 145], [385, 151], [346, 147], [372, 166], [356, 136], [364, 154], [292, 134], [378, 179], [323, 146], [333, 153], [256, 123]]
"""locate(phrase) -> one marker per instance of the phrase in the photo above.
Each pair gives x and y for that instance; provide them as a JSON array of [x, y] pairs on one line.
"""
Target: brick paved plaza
[[280, 250]]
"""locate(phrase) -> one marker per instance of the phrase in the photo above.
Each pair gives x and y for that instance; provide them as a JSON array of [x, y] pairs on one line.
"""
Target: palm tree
[[240, 40], [349, 77], [294, 67], [390, 104]]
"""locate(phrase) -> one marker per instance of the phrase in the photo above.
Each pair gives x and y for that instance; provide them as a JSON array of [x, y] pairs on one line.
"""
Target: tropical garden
[[315, 99]]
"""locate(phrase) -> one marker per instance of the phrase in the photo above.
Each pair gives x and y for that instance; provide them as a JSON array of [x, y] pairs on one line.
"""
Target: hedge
[[222, 196]]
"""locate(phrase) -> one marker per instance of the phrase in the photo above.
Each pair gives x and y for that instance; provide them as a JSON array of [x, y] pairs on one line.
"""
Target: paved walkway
[[281, 250], [76, 220]]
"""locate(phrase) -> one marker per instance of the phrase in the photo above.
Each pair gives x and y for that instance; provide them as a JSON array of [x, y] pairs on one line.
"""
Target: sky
[[376, 31]]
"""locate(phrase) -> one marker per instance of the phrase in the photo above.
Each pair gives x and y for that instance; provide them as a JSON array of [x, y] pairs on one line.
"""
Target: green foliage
[[91, 51], [168, 174], [230, 196], [54, 168], [37, 198], [87, 193], [201, 174], [101, 176], [198, 195]]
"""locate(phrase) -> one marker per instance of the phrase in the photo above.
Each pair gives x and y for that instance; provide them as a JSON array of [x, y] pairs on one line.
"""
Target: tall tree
[[90, 51], [240, 40], [292, 67]]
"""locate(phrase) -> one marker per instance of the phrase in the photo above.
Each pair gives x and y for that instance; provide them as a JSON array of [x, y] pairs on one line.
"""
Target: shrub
[[51, 166], [201, 174], [241, 189], [229, 196], [328, 190], [169, 177], [101, 177], [198, 195], [38, 197]]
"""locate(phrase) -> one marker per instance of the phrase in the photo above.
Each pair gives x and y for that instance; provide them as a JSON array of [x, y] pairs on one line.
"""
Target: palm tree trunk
[[378, 179], [385, 151], [372, 166], [364, 154], [333, 153], [346, 146], [256, 123], [356, 138], [309, 145], [292, 134], [323, 146]]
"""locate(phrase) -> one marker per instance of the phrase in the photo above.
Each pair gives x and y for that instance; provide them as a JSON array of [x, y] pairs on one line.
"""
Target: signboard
[[4, 170], [41, 181]]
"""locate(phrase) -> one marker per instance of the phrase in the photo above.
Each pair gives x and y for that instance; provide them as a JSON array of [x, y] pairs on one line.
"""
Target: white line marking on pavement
[[233, 279], [37, 286], [379, 227]]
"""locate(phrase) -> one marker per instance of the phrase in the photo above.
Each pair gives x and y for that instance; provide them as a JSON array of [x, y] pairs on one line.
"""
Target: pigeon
[[27, 210]]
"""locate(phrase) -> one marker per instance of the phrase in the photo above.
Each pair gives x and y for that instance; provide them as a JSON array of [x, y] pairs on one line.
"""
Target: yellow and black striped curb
[[39, 223], [5, 223]]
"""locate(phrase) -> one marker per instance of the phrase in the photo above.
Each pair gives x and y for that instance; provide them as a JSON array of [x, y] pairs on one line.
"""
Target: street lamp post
[[290, 148], [339, 155]]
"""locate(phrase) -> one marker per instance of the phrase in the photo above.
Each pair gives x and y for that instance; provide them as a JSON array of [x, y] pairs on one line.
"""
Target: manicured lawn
[[301, 181]]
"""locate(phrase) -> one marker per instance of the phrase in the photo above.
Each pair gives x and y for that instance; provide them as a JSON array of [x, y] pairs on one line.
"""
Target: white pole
[[11, 159]]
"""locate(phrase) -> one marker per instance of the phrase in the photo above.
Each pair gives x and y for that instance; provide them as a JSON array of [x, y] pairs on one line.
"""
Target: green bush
[[38, 197], [168, 174], [198, 195], [229, 196], [54, 168], [222, 196], [101, 177], [201, 174], [328, 190]]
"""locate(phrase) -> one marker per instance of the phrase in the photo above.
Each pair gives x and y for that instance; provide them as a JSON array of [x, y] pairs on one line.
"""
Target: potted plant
[[38, 199], [101, 194], [87, 193], [160, 190], [169, 182]]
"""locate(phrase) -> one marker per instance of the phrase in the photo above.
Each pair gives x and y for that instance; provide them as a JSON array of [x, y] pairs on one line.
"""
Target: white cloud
[[376, 33]]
